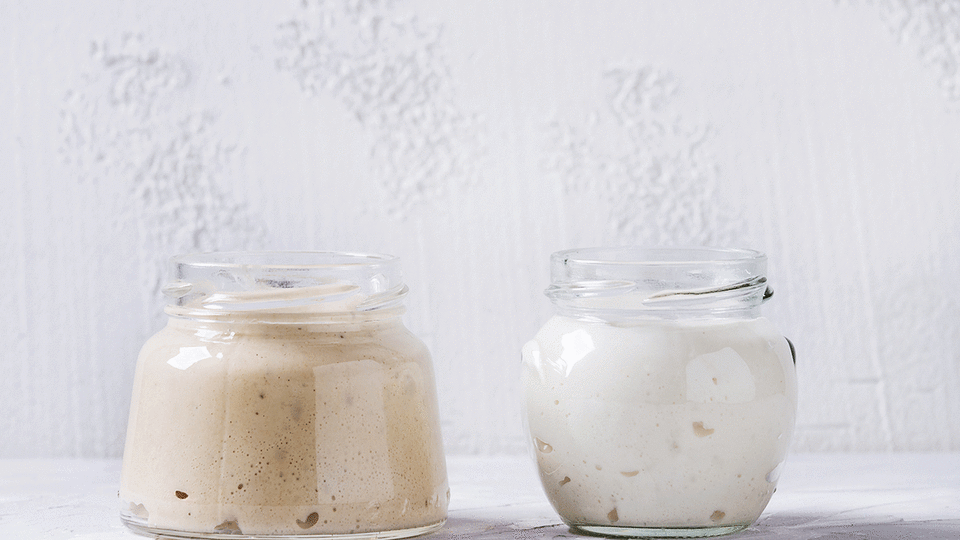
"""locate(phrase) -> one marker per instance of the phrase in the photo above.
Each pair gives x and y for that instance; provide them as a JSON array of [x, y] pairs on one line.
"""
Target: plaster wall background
[[473, 139]]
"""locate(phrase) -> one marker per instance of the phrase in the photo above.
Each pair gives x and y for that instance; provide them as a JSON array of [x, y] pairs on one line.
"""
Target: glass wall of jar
[[658, 401], [284, 398]]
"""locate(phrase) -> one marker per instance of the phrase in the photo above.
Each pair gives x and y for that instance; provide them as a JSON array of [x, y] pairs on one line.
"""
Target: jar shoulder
[[598, 353], [659, 336], [182, 344]]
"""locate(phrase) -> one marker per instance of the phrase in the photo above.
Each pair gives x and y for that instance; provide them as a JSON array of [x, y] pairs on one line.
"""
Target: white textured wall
[[473, 139]]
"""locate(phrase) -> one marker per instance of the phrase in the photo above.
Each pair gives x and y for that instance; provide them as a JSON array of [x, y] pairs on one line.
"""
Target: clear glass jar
[[658, 401], [284, 398]]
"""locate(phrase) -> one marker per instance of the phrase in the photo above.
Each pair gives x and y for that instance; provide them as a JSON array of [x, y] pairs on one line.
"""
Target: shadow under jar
[[658, 401], [284, 398]]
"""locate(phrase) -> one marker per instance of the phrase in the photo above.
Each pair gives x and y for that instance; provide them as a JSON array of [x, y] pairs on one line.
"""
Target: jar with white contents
[[658, 401], [284, 398]]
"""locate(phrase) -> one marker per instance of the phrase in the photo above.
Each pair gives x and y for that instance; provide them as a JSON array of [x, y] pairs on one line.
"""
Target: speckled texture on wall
[[174, 168], [932, 27], [649, 170], [387, 69], [473, 139]]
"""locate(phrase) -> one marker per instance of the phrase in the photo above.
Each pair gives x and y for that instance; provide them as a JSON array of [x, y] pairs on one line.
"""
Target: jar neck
[[344, 318], [246, 324], [624, 284], [285, 288]]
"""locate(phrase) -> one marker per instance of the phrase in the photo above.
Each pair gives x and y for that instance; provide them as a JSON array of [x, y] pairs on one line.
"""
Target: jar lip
[[618, 282], [657, 256], [284, 285], [283, 259]]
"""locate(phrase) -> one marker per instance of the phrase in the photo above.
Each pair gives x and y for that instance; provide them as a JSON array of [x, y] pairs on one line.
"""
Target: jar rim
[[289, 286], [628, 281], [283, 259], [658, 256]]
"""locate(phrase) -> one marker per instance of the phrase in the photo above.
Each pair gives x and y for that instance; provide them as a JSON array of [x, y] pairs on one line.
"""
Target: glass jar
[[658, 401], [284, 398]]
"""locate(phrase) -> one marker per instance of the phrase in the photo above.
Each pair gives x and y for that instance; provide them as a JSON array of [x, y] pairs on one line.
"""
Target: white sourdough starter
[[661, 424], [284, 429]]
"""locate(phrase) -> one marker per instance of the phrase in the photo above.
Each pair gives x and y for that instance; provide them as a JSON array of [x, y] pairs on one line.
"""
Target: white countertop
[[821, 496]]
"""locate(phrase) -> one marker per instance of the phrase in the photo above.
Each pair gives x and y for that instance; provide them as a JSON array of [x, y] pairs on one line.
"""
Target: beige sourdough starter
[[241, 426]]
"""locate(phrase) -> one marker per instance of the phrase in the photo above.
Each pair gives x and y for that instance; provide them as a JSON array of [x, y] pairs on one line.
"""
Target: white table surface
[[821, 496]]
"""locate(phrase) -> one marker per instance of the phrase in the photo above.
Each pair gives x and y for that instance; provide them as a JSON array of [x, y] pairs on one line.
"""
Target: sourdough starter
[[659, 423], [247, 427]]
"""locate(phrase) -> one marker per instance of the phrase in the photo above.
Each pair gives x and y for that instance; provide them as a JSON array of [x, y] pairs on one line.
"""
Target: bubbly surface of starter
[[284, 429], [660, 424]]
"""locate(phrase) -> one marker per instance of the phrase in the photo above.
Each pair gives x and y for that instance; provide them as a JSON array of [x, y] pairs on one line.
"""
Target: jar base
[[139, 527], [656, 532]]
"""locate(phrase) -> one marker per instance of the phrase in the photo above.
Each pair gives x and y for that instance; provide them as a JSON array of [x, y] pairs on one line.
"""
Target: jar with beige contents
[[284, 398], [658, 401]]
